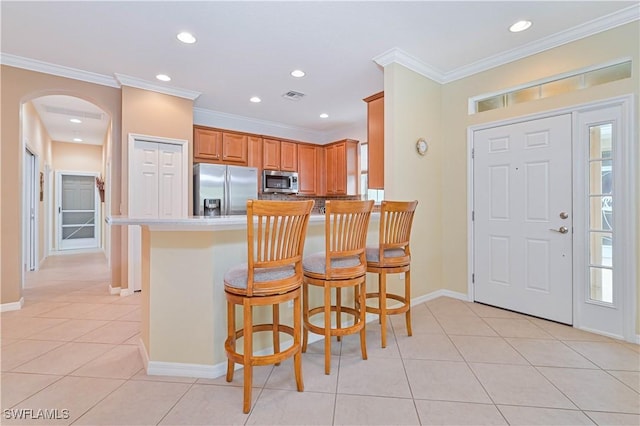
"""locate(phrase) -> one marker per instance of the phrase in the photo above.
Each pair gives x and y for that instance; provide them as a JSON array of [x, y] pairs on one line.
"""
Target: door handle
[[562, 230]]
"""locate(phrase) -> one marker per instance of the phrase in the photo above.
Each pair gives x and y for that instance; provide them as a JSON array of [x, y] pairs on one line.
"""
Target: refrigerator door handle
[[227, 191]]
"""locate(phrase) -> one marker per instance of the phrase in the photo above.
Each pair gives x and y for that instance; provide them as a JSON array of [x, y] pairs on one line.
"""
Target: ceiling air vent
[[292, 95]]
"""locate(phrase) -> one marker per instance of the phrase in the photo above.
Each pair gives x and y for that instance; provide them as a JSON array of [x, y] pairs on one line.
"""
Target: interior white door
[[156, 189], [30, 209], [170, 183], [523, 218], [77, 211]]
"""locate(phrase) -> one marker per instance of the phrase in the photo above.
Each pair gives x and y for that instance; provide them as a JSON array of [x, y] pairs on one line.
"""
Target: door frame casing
[[625, 239]]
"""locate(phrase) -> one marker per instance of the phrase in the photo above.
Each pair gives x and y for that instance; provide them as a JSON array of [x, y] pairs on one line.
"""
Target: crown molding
[[401, 57], [604, 23], [59, 70], [139, 83], [208, 117], [91, 77]]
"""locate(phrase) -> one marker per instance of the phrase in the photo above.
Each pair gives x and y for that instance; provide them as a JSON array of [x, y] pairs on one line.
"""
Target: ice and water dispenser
[[212, 207]]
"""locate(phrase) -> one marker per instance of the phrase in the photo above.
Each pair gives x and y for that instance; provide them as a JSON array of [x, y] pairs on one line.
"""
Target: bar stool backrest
[[276, 232], [346, 226], [396, 219]]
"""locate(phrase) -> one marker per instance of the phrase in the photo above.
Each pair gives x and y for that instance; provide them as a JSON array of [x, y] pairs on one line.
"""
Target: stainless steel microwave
[[279, 181]]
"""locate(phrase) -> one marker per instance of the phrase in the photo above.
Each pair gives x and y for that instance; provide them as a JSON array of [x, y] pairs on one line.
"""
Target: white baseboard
[[114, 290], [126, 292], [12, 306], [637, 339], [439, 293], [205, 371], [601, 333]]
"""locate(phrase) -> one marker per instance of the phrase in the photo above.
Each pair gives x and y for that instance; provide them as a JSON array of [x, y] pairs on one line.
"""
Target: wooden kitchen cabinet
[[308, 164], [375, 136], [254, 157], [207, 144], [280, 155], [271, 154], [342, 161], [289, 156], [217, 146], [234, 148]]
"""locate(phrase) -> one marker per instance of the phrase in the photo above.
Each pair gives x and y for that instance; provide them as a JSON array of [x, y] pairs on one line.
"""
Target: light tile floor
[[73, 347]]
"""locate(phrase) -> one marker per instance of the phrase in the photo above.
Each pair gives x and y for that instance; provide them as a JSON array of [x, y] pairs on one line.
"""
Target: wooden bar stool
[[276, 232], [392, 256], [342, 265]]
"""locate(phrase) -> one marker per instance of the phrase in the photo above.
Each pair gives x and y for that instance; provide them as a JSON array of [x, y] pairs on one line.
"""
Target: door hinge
[[473, 215], [473, 278], [473, 153]]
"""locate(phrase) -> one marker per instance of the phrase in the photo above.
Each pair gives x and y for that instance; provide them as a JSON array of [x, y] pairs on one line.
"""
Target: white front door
[[157, 189], [523, 217], [77, 211]]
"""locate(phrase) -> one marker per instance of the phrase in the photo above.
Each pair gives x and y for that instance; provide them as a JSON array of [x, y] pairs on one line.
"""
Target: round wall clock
[[421, 146]]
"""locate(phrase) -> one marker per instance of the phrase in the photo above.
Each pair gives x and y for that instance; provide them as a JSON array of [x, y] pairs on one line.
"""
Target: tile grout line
[[469, 366]]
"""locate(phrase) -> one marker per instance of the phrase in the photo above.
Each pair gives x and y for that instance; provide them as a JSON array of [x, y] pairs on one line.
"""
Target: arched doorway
[[70, 138]]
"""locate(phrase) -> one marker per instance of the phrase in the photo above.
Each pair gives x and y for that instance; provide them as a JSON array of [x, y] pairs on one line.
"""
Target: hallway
[[74, 348]]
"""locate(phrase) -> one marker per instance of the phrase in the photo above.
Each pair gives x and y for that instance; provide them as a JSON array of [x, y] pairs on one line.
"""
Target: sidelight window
[[601, 205]]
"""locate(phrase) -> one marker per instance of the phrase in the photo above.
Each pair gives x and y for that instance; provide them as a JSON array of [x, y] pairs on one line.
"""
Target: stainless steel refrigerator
[[220, 190]]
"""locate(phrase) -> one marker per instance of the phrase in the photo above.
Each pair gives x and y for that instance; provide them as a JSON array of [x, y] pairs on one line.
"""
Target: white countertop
[[197, 223]]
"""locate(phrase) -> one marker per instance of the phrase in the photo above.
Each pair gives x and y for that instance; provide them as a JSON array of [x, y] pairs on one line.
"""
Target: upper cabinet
[[254, 156], [375, 136], [234, 148], [342, 160], [271, 154], [207, 144], [289, 156], [217, 146], [280, 155], [308, 165]]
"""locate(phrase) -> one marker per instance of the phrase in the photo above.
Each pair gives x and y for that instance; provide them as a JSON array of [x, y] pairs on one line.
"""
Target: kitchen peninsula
[[184, 312]]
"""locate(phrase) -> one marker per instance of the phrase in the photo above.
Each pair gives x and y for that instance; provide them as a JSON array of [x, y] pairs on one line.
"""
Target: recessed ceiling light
[[297, 73], [255, 99], [520, 26], [163, 77], [75, 120], [186, 37], [324, 115], [77, 140]]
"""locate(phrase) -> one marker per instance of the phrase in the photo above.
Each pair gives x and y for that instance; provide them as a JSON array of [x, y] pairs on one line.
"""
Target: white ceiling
[[248, 49]]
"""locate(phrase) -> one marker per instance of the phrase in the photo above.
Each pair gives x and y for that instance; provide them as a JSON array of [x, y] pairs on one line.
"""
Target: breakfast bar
[[183, 325]]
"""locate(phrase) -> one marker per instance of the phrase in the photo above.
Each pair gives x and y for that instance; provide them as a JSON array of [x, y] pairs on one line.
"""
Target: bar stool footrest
[[390, 311]]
